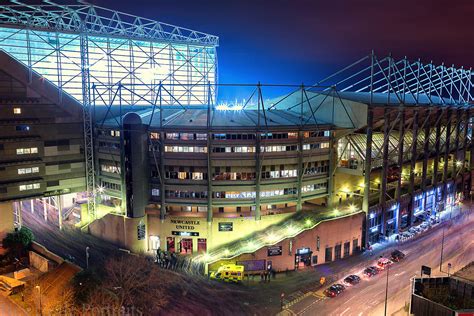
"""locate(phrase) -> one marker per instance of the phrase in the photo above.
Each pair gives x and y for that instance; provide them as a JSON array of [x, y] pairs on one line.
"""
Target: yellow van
[[229, 273]]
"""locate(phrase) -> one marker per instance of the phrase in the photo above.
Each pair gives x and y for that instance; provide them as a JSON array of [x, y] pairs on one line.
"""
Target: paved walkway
[[9, 308]]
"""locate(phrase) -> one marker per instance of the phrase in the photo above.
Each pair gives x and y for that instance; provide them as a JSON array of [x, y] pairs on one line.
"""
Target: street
[[368, 297]]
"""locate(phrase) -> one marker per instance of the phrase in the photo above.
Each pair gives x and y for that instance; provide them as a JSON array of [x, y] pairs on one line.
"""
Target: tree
[[85, 283], [127, 282], [19, 240]]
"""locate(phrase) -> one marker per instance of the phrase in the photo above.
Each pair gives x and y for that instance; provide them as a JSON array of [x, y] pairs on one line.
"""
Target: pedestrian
[[261, 277]]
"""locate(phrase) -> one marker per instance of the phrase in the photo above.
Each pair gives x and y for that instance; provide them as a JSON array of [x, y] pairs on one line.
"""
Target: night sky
[[295, 41]]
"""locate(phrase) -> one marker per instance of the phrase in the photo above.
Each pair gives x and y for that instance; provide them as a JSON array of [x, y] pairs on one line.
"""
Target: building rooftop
[[94, 20]]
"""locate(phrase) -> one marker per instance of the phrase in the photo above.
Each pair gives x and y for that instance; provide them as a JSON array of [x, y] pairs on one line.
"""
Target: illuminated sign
[[274, 251], [226, 227], [303, 251], [185, 224], [141, 231], [184, 234]]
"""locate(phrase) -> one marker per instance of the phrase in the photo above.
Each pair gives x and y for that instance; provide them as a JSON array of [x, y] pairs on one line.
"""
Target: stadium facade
[[309, 174]]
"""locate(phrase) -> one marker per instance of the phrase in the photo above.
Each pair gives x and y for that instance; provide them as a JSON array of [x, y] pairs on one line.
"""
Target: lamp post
[[87, 257], [386, 291], [40, 305]]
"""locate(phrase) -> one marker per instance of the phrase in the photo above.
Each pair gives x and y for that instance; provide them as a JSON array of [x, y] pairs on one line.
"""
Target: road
[[368, 297], [69, 243]]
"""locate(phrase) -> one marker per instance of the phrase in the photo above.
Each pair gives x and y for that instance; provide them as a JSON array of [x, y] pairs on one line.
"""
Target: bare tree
[[132, 283]]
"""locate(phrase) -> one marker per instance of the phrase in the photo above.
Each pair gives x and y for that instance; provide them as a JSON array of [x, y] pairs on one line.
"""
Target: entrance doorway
[[303, 257], [202, 245], [170, 244], [186, 246]]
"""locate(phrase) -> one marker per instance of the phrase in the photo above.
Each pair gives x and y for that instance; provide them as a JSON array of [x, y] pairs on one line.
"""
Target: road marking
[[400, 273], [345, 311]]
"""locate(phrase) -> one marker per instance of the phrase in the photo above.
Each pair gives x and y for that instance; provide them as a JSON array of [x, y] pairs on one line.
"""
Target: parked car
[[397, 256], [352, 279], [383, 263], [334, 290], [371, 271]]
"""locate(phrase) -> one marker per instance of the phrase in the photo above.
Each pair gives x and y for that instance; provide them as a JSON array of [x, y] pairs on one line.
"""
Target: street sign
[[426, 270]]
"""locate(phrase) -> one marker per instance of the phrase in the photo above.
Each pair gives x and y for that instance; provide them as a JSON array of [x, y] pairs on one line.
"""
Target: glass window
[[16, 110]]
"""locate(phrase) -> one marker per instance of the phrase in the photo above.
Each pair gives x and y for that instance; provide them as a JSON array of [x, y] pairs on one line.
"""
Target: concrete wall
[[330, 233], [121, 231], [39, 262], [6, 219]]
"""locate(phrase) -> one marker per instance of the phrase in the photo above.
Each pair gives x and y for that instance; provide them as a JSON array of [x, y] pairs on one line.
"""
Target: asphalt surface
[[368, 297], [69, 243]]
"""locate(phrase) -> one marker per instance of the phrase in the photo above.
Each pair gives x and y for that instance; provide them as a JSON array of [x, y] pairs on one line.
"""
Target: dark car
[[334, 290], [371, 271], [352, 279], [397, 256]]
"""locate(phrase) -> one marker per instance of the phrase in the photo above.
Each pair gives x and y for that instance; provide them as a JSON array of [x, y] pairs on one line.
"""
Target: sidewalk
[[10, 308]]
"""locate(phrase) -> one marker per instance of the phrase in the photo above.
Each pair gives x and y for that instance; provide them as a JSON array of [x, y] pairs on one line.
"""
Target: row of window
[[28, 170], [203, 136], [185, 194], [253, 194], [315, 146], [113, 133], [109, 145], [111, 186], [186, 149], [238, 149], [314, 187], [244, 176], [110, 168], [27, 187], [27, 151], [280, 174], [234, 149], [185, 175], [186, 136]]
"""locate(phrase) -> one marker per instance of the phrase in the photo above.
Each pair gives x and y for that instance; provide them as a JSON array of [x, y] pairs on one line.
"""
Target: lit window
[[26, 187], [197, 176], [26, 151], [155, 135], [16, 110], [155, 192]]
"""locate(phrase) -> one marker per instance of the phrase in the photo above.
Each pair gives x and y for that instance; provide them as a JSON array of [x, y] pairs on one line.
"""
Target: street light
[[87, 257], [40, 306]]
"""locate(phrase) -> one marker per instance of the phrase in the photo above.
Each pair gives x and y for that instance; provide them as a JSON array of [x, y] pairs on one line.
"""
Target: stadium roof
[[94, 20]]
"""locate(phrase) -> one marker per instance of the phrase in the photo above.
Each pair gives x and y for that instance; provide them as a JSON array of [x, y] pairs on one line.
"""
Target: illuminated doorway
[[186, 246]]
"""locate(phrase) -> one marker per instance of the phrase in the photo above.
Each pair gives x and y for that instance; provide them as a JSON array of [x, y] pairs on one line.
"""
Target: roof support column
[[299, 204], [258, 170], [209, 178], [456, 158], [401, 136], [434, 177], [383, 180], [414, 156], [464, 152], [367, 169], [162, 177], [332, 169], [447, 145]]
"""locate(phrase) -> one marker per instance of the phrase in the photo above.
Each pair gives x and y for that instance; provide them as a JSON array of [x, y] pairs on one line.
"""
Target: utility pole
[[386, 291]]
